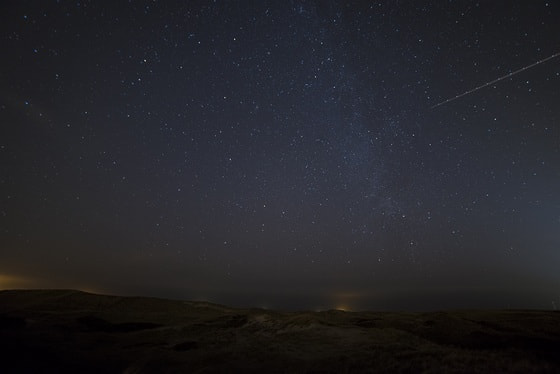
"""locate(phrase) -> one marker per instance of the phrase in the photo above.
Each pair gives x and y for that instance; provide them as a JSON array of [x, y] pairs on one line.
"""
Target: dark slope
[[73, 331]]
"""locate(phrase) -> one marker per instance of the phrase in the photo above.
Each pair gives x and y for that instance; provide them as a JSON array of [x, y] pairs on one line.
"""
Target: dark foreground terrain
[[72, 331]]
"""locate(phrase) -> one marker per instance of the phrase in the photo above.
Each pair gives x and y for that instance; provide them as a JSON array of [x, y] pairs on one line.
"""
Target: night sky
[[283, 154]]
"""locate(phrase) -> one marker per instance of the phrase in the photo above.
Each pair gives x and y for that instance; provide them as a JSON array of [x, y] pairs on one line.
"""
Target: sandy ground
[[72, 331]]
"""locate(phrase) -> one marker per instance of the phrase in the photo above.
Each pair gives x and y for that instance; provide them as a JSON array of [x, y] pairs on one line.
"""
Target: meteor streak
[[496, 80]]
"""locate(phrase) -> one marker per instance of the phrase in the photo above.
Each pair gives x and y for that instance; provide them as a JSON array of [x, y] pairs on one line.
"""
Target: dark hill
[[73, 331]]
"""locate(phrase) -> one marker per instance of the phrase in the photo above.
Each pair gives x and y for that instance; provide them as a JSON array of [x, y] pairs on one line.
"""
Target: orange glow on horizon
[[11, 282], [347, 301], [343, 308], [8, 282]]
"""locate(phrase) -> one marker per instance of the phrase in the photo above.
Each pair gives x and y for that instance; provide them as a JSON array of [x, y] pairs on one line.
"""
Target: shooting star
[[497, 80]]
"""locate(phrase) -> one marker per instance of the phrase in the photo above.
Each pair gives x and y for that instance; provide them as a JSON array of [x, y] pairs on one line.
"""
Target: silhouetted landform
[[72, 331]]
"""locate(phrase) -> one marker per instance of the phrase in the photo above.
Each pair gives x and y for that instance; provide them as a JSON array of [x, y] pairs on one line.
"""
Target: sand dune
[[73, 331]]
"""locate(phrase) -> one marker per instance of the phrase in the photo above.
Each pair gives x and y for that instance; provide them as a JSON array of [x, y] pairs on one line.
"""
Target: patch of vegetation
[[11, 323], [185, 346], [100, 325]]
